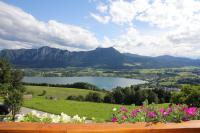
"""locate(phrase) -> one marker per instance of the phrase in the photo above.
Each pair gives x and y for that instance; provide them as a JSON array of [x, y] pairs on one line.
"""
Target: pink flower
[[191, 111], [184, 108], [169, 110], [114, 119], [151, 114], [134, 112], [123, 109], [162, 110], [124, 117], [165, 113]]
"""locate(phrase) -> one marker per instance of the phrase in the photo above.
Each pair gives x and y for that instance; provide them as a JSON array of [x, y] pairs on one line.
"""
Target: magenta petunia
[[151, 114], [191, 111], [114, 119], [123, 109], [134, 112]]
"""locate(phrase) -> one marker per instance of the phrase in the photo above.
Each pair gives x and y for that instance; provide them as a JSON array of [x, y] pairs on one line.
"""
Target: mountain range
[[47, 57]]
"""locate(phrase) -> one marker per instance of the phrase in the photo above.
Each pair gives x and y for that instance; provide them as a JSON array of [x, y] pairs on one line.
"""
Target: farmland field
[[58, 92]]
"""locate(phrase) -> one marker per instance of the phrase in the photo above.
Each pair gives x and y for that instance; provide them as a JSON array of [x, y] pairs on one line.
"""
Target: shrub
[[43, 93], [77, 98], [108, 98], [189, 95], [93, 97]]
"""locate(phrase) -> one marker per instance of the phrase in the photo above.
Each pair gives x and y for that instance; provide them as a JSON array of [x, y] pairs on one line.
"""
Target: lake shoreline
[[101, 82]]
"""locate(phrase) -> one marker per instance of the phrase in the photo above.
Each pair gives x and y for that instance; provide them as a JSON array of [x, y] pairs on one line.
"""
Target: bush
[[189, 95], [93, 97], [77, 98], [43, 93], [136, 95], [108, 98]]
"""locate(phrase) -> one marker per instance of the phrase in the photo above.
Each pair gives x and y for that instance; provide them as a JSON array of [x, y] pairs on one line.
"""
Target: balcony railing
[[185, 127]]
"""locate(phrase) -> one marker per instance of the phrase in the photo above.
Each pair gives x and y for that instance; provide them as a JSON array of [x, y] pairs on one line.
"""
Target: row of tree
[[80, 85], [189, 95], [128, 95]]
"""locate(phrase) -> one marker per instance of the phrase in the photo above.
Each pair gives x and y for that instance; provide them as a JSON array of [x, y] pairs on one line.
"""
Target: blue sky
[[145, 27]]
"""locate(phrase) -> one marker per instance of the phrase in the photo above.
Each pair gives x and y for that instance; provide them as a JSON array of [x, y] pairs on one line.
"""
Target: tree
[[189, 95], [93, 97], [11, 87], [108, 98], [5, 76]]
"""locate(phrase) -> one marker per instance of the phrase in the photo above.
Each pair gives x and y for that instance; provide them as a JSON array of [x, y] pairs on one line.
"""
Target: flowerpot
[[20, 127]]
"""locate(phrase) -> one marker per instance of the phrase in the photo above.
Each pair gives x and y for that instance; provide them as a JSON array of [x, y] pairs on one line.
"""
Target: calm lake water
[[101, 82]]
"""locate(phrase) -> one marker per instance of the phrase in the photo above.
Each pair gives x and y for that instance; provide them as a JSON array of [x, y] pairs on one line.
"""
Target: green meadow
[[58, 92], [100, 111]]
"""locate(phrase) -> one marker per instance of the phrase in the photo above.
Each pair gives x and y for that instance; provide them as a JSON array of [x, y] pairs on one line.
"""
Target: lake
[[101, 82]]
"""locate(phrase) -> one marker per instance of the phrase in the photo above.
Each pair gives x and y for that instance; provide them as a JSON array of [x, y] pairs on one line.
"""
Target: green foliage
[[43, 93], [153, 113], [108, 98], [5, 76], [59, 92], [77, 98], [189, 95], [11, 87], [93, 97], [14, 98], [80, 85], [137, 94]]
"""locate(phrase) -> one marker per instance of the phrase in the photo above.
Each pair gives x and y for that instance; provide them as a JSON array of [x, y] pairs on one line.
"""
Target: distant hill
[[47, 57]]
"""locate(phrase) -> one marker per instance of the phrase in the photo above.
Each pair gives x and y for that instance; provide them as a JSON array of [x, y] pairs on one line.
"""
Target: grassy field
[[59, 92], [100, 111]]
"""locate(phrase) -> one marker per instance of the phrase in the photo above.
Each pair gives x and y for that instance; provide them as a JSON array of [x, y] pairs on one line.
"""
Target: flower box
[[139, 127]]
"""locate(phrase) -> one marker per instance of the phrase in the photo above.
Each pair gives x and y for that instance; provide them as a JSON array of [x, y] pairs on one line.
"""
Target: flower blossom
[[114, 119], [134, 112], [123, 109], [191, 111], [151, 114]]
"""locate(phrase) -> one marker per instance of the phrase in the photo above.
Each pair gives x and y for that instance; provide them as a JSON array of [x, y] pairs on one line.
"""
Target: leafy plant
[[154, 114]]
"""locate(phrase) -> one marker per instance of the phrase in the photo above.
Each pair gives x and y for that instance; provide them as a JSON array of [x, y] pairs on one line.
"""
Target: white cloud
[[170, 13], [178, 22], [19, 29], [102, 8], [132, 41], [122, 11], [101, 19]]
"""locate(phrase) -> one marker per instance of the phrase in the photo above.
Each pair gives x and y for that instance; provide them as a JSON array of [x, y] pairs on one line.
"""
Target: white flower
[[93, 118], [55, 118], [84, 118], [34, 113], [45, 115], [76, 118], [65, 118], [114, 109], [20, 117]]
